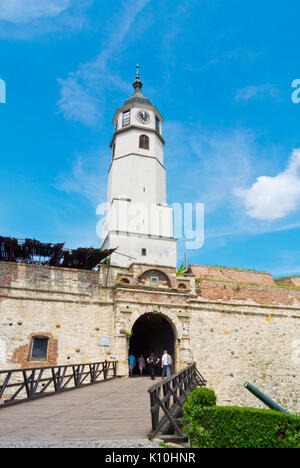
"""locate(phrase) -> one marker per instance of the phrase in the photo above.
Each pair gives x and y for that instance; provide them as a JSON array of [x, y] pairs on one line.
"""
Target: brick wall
[[263, 295], [289, 280], [231, 274]]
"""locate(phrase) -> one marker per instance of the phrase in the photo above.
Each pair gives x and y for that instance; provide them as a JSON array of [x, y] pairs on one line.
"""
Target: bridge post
[[175, 390]]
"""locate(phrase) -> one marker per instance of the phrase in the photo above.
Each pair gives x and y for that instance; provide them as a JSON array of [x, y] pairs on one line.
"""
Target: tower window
[[116, 126], [39, 348], [144, 252], [113, 150], [157, 122], [144, 142], [126, 118]]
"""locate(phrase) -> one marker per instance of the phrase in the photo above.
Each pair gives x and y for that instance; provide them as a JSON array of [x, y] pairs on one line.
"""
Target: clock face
[[143, 116]]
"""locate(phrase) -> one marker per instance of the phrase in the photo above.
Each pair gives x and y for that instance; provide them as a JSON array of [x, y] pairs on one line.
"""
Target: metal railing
[[168, 397], [21, 385]]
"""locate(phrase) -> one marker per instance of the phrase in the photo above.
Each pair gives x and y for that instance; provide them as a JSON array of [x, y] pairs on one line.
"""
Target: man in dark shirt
[[152, 361]]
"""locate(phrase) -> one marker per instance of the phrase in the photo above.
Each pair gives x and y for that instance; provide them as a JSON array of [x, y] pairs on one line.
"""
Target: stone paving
[[138, 443]]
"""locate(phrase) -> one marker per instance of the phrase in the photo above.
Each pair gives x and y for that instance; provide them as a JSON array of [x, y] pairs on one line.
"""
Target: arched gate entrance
[[152, 333]]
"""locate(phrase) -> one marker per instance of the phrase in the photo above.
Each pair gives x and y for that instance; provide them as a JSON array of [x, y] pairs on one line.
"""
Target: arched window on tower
[[144, 142]]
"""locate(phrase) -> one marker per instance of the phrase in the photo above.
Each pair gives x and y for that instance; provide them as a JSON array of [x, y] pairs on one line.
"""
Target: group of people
[[153, 361]]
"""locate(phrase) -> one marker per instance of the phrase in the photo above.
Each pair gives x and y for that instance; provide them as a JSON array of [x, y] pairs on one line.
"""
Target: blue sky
[[220, 72]]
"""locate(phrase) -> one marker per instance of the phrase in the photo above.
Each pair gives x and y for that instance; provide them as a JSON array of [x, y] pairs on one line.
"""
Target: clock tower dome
[[139, 222]]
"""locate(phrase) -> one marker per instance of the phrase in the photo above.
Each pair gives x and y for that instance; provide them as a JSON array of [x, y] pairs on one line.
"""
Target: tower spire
[[137, 84]]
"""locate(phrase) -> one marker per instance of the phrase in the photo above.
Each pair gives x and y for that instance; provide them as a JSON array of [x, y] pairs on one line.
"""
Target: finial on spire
[[137, 83]]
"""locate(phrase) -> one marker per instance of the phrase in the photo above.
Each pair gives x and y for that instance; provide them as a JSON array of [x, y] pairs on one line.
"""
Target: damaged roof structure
[[32, 251]]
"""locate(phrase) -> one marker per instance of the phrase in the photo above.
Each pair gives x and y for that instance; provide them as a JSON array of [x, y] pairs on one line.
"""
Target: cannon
[[262, 397]]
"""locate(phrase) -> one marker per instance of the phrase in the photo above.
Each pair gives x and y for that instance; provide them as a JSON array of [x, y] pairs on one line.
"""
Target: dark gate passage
[[152, 333]]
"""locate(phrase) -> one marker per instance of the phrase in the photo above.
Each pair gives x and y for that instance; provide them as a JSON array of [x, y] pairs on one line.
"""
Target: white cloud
[[273, 198], [286, 270], [93, 77], [242, 54], [87, 178], [76, 102], [24, 19], [209, 163], [257, 92], [218, 167], [24, 11]]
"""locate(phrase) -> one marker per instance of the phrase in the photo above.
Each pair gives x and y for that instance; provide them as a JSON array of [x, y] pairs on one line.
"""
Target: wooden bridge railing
[[167, 399], [21, 385]]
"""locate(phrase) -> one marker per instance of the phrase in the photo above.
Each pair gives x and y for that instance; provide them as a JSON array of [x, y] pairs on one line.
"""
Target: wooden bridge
[[116, 408]]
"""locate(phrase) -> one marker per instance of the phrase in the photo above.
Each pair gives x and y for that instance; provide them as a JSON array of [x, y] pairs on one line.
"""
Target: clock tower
[[139, 222]]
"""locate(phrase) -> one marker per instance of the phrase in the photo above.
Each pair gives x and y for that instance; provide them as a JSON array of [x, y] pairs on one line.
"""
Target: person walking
[[141, 363], [166, 362], [131, 363], [152, 361]]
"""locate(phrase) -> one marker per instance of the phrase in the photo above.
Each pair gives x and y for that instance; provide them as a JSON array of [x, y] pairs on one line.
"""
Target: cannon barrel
[[262, 397]]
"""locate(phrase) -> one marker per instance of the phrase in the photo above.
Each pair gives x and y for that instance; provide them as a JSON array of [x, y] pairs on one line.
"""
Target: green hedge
[[199, 398], [231, 427]]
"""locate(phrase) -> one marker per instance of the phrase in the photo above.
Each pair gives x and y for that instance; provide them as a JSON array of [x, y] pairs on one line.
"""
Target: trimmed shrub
[[199, 398], [232, 427]]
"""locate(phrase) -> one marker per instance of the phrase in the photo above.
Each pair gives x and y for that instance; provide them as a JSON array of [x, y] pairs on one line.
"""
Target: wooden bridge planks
[[116, 409]]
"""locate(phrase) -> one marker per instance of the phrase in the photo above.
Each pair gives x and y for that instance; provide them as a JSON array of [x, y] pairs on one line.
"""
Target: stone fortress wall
[[238, 325], [68, 306]]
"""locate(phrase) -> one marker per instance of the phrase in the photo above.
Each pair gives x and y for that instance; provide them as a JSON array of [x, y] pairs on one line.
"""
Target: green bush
[[231, 427], [199, 398]]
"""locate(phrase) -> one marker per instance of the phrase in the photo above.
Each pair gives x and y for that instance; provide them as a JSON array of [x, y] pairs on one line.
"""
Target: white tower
[[139, 223]]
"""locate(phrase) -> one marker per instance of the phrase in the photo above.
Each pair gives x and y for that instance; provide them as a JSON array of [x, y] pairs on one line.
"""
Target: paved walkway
[[95, 444], [118, 409]]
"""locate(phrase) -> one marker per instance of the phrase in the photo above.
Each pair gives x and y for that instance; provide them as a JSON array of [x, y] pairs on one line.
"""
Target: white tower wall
[[138, 178], [139, 223]]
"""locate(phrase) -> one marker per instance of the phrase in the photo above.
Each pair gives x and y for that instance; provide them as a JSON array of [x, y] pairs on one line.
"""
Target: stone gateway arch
[[152, 332]]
